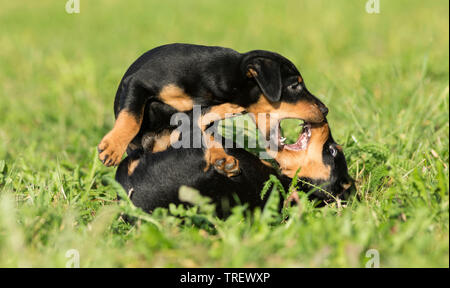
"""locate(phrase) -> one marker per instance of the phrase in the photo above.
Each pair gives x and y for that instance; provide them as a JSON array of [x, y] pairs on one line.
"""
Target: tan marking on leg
[[176, 97], [207, 160], [174, 136], [152, 142], [165, 140], [219, 112], [216, 156], [148, 141], [113, 145], [132, 165]]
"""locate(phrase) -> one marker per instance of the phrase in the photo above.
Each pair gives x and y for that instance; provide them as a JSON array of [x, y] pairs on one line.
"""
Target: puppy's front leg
[[215, 154]]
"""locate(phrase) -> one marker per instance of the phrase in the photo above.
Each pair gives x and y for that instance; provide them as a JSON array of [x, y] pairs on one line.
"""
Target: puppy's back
[[157, 178]]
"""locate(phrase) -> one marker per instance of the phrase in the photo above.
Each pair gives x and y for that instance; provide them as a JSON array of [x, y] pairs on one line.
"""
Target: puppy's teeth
[[283, 139]]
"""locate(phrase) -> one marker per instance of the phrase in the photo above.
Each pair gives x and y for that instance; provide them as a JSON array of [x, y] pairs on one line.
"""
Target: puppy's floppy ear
[[268, 76]]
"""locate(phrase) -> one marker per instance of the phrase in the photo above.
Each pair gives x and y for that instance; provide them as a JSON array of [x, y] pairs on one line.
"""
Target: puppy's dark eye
[[333, 151], [294, 86]]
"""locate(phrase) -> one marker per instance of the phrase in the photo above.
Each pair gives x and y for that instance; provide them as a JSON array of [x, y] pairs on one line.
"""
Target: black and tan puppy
[[153, 179], [173, 78]]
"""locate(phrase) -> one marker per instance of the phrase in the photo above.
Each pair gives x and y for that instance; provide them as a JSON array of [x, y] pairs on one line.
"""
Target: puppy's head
[[321, 161], [276, 87]]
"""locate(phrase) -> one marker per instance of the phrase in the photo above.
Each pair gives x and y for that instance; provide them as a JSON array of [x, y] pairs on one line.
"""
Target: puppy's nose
[[324, 110]]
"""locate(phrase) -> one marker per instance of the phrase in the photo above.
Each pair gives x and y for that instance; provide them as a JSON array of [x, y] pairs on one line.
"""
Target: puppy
[[173, 78], [153, 179]]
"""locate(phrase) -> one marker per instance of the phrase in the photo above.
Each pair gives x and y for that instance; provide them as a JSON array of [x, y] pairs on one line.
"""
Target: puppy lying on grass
[[153, 179]]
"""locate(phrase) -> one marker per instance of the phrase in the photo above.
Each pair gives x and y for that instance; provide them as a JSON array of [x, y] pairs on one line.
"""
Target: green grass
[[384, 77]]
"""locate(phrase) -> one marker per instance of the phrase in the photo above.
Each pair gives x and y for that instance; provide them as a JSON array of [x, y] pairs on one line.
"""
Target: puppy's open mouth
[[302, 139]]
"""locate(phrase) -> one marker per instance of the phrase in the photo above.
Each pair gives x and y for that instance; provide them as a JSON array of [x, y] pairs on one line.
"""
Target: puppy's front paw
[[228, 166], [110, 151]]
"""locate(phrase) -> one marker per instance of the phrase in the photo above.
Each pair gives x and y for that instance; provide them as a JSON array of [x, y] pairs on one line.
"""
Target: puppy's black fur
[[210, 76], [156, 179], [200, 75]]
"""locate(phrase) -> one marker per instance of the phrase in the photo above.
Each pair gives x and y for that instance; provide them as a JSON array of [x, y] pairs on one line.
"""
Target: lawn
[[384, 77]]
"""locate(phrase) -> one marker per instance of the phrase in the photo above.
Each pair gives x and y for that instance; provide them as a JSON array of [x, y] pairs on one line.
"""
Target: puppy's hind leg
[[127, 125]]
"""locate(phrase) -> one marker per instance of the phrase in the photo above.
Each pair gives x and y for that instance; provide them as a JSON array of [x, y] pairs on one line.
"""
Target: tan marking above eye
[[176, 97]]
